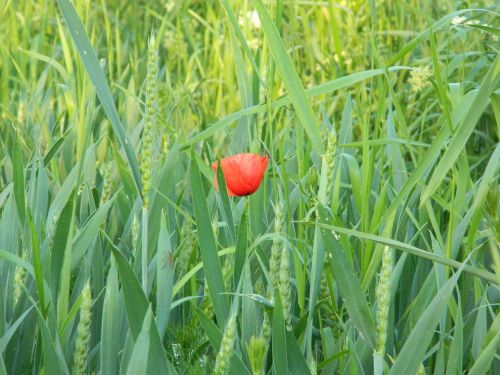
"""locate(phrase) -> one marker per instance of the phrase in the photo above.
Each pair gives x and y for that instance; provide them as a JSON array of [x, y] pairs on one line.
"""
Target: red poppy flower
[[243, 173]]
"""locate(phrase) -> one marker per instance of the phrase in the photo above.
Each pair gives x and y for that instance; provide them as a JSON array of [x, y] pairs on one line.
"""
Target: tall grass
[[372, 245]]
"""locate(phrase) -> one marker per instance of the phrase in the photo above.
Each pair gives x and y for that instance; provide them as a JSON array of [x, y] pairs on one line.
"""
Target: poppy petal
[[243, 173]]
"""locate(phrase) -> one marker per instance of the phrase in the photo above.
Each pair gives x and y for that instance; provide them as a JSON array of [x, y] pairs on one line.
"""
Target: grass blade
[[350, 289], [139, 360], [99, 81], [240, 252], [111, 324], [136, 305], [462, 134], [279, 352], [414, 251], [18, 177], [208, 248], [224, 204], [414, 349], [164, 278], [290, 78]]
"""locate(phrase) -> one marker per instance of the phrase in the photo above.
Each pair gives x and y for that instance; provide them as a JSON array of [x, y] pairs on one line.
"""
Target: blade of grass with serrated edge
[[208, 248], [99, 81], [413, 351], [290, 78], [136, 305], [111, 324], [462, 134]]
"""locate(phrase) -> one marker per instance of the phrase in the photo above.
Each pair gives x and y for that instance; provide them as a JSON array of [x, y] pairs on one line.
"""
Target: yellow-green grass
[[382, 123]]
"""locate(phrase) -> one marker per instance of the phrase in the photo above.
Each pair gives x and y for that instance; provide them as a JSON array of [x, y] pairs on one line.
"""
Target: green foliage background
[[381, 119]]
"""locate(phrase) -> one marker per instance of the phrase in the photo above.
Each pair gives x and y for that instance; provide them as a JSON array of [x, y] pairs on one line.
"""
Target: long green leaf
[[462, 134], [208, 248], [350, 289], [139, 360], [37, 266], [99, 81], [51, 360], [18, 177], [413, 250], [60, 241], [413, 351], [136, 305], [240, 252], [225, 205], [164, 278], [490, 348], [279, 350], [290, 78], [456, 350], [4, 340], [83, 239], [111, 324]]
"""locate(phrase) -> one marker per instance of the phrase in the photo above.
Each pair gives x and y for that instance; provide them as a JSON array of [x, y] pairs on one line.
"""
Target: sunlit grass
[[371, 246]]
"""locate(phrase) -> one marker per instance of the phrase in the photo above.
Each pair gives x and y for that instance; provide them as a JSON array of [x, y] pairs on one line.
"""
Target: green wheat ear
[[107, 185], [275, 261], [330, 160], [285, 288], [83, 332], [382, 293], [19, 278], [150, 119], [256, 349], [226, 347], [184, 255]]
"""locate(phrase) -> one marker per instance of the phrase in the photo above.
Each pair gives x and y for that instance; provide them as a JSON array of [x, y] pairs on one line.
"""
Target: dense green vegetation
[[371, 246]]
